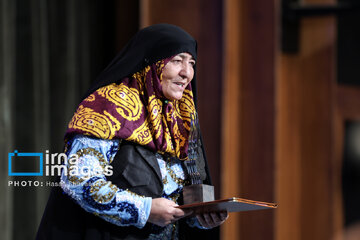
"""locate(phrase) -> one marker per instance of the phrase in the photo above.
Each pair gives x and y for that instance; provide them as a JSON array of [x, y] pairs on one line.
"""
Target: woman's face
[[177, 74]]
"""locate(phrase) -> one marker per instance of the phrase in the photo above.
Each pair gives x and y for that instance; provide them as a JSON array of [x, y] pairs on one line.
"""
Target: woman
[[130, 137]]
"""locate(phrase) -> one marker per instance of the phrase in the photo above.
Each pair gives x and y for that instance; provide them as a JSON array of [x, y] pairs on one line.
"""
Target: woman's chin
[[174, 97]]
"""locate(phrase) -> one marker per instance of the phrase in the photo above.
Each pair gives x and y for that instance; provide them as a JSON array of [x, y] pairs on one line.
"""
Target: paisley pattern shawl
[[136, 110]]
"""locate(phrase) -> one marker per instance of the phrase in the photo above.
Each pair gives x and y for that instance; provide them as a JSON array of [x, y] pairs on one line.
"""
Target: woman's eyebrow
[[182, 55]]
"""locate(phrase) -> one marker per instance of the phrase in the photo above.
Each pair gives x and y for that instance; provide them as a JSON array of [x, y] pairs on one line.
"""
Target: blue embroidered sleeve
[[84, 179], [173, 177]]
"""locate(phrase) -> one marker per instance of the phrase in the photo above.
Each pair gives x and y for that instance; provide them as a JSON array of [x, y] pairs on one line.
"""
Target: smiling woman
[[177, 74], [138, 118]]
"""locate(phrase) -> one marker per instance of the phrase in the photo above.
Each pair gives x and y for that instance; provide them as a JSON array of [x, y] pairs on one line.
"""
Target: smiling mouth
[[180, 84]]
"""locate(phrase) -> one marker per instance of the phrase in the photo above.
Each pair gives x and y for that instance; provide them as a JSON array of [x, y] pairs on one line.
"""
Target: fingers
[[178, 217], [164, 211], [210, 220], [206, 220], [216, 217], [224, 215], [178, 212], [188, 213]]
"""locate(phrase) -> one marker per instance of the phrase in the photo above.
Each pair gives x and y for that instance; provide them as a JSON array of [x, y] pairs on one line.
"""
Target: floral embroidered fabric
[[95, 194], [135, 110], [90, 189]]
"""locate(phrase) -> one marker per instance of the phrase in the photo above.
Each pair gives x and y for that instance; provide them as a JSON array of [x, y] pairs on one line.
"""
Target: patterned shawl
[[136, 110]]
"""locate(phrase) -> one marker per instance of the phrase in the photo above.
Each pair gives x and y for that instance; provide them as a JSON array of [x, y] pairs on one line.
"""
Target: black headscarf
[[149, 45]]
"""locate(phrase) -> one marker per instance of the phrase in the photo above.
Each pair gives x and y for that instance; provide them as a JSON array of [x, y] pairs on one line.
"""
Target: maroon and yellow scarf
[[136, 110]]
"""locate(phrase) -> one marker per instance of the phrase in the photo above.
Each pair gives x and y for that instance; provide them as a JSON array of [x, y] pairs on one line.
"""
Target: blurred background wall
[[279, 102]]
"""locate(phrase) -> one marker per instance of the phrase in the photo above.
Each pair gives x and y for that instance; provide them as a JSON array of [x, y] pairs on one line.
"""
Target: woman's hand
[[210, 220], [164, 212]]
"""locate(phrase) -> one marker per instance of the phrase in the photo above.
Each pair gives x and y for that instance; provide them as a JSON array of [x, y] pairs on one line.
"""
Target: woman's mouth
[[180, 84]]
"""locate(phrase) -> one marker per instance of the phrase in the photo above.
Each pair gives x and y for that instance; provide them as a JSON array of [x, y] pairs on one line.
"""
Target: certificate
[[231, 205]]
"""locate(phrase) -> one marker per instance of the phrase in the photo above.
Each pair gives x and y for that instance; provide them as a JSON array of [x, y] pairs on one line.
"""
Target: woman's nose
[[187, 71]]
